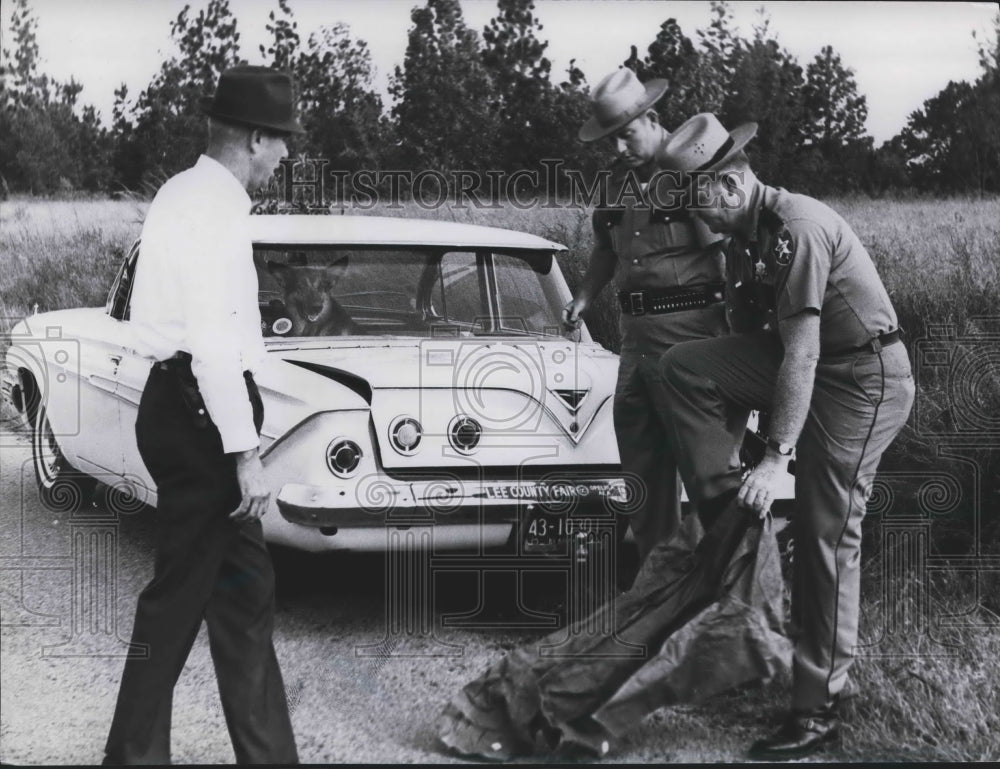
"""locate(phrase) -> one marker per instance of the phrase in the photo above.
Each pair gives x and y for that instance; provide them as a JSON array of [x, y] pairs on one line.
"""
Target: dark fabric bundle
[[695, 623]]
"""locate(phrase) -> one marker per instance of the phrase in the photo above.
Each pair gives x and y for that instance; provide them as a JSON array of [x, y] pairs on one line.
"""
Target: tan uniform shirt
[[803, 255], [657, 248]]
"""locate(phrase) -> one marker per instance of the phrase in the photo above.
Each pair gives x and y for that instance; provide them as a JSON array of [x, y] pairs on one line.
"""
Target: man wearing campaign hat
[[668, 272], [194, 315], [817, 346]]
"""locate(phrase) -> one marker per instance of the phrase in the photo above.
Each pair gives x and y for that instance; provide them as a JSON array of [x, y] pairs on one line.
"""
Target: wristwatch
[[784, 449]]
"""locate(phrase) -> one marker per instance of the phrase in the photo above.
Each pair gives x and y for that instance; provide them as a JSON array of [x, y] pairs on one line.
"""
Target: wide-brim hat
[[702, 143], [618, 100], [260, 97]]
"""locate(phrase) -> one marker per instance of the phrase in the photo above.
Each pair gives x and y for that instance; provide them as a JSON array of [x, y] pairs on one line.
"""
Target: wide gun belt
[[670, 299]]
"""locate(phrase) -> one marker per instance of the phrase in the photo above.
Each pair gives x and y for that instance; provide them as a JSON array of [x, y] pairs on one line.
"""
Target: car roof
[[386, 230]]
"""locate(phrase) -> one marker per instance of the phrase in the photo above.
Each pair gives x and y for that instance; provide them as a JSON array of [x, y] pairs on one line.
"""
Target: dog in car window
[[308, 298]]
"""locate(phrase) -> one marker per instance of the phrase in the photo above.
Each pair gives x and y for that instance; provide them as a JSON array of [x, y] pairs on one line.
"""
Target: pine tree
[[164, 131], [537, 119], [47, 145], [336, 100], [951, 144], [835, 112], [445, 100], [766, 88]]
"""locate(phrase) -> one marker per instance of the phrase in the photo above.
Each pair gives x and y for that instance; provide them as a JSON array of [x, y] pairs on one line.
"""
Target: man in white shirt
[[194, 311]]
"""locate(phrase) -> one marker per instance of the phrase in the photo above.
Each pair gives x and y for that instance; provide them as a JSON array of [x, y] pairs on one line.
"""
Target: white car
[[417, 380]]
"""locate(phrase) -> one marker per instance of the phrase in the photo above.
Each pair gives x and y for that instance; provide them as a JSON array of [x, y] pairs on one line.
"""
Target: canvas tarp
[[696, 622]]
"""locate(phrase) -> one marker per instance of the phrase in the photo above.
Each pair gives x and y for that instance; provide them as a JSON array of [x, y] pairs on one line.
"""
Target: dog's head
[[308, 295]]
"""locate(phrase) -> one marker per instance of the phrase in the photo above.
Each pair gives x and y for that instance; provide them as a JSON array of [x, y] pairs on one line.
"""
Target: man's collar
[[210, 165], [757, 195]]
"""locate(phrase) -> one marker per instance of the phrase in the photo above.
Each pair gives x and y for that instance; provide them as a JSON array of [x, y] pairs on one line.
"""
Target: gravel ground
[[58, 689]]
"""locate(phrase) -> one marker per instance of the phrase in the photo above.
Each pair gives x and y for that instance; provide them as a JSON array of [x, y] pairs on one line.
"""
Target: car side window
[[456, 296], [526, 300], [120, 297]]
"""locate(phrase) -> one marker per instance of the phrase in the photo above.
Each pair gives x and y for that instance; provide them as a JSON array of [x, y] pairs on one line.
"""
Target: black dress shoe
[[801, 735]]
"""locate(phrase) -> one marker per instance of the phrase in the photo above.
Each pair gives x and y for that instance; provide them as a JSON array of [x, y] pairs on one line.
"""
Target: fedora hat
[[702, 143], [255, 96], [618, 100]]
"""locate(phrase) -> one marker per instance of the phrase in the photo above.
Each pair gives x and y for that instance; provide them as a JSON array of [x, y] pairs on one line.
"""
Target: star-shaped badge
[[783, 250]]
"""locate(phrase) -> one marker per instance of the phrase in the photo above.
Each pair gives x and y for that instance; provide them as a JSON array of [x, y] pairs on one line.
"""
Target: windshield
[[339, 291]]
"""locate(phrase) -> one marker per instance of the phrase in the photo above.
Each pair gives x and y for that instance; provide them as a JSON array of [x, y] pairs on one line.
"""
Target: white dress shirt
[[196, 291]]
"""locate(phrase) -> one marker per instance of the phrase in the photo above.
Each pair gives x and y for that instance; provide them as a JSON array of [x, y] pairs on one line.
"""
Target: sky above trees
[[901, 53], [483, 100]]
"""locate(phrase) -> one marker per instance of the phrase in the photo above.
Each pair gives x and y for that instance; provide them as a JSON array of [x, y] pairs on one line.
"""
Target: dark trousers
[[860, 402], [646, 456], [206, 567]]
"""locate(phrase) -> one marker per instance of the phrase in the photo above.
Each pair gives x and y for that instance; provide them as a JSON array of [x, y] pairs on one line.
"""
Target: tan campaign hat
[[617, 100], [703, 143]]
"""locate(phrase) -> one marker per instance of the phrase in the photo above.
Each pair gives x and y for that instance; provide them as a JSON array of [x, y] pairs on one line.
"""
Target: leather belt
[[667, 300], [178, 359], [872, 345], [182, 360]]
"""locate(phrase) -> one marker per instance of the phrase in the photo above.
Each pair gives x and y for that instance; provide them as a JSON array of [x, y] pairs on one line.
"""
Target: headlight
[[405, 434], [343, 457], [464, 433]]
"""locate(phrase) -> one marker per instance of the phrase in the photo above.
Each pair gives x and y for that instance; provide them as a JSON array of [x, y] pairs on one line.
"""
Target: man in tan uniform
[[668, 270], [818, 347]]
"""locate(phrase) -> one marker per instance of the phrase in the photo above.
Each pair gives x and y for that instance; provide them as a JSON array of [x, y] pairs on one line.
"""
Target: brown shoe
[[802, 734]]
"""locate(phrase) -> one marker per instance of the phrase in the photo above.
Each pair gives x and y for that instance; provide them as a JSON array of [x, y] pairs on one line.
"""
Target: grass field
[[929, 672]]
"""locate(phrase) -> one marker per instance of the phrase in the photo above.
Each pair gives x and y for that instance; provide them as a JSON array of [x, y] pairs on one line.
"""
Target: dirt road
[[359, 693]]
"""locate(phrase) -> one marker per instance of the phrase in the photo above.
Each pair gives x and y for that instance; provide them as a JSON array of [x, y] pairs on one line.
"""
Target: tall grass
[[57, 254], [927, 692], [940, 260]]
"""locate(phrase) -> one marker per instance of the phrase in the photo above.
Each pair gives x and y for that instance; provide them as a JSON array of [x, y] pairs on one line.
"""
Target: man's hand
[[572, 311], [250, 474], [792, 394], [757, 491]]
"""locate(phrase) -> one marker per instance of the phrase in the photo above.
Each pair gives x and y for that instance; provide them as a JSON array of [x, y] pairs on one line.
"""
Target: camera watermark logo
[[41, 368], [958, 376], [930, 529], [503, 389], [87, 570]]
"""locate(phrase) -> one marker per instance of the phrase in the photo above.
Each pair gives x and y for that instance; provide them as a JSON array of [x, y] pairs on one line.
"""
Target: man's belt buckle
[[635, 299]]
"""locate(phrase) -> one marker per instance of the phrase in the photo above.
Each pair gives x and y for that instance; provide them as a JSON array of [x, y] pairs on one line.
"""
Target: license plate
[[550, 533]]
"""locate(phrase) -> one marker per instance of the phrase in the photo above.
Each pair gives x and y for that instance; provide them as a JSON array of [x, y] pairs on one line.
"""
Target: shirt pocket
[[615, 220], [671, 232]]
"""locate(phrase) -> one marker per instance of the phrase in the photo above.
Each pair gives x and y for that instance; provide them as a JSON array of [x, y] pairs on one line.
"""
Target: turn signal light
[[464, 434], [405, 434], [343, 457]]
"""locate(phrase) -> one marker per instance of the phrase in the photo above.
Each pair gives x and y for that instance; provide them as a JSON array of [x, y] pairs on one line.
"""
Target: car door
[[76, 384], [97, 445], [130, 376]]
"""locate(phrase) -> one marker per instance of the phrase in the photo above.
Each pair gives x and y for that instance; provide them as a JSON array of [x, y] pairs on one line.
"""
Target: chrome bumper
[[382, 501]]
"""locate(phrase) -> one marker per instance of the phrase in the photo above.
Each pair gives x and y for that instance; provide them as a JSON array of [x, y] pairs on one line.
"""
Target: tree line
[[469, 100]]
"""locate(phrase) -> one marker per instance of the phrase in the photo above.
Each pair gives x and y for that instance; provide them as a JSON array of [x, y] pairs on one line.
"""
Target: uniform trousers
[[206, 567], [860, 402], [646, 457]]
